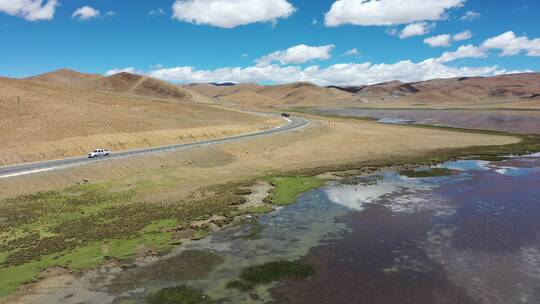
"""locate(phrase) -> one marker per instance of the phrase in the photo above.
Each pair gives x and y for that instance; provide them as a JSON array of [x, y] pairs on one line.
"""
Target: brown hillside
[[55, 121], [502, 88], [65, 77], [134, 84], [121, 83], [250, 94]]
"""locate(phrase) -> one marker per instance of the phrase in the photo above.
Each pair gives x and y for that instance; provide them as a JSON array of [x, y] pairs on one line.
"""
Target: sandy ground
[[175, 175]]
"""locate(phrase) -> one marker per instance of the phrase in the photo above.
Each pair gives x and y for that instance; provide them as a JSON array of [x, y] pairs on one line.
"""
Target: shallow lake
[[470, 235], [525, 121]]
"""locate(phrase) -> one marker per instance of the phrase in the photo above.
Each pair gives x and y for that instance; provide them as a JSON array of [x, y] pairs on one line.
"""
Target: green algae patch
[[432, 172], [82, 226], [492, 158], [286, 189], [259, 209], [179, 295], [189, 265], [83, 257], [270, 272], [255, 229]]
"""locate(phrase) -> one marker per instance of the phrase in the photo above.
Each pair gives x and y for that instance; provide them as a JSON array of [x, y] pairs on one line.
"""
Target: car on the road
[[99, 153], [285, 115]]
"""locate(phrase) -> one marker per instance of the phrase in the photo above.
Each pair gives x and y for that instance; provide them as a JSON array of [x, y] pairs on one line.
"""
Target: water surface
[[472, 236], [525, 122]]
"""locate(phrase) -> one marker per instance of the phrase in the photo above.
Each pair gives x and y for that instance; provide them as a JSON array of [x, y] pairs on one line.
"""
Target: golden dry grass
[[325, 142], [51, 121]]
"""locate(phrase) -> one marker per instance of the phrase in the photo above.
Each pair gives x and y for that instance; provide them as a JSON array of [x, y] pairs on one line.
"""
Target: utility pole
[[19, 105], [71, 88]]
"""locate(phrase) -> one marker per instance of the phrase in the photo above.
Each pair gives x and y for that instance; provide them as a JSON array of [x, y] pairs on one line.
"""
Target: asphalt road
[[293, 123]]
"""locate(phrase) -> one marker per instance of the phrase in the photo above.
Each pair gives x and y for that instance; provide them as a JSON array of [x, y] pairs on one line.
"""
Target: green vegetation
[[493, 158], [189, 265], [259, 209], [84, 225], [528, 144], [200, 234], [432, 172], [271, 272], [254, 229], [287, 188], [179, 295]]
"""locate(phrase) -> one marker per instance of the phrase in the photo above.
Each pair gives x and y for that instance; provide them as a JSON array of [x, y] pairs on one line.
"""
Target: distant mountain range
[[503, 88]]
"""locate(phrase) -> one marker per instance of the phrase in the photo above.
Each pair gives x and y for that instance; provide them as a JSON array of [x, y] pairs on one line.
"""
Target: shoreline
[[527, 144]]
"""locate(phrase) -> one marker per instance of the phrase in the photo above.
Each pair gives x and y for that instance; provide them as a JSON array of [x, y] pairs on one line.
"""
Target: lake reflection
[[472, 237], [469, 236], [499, 120]]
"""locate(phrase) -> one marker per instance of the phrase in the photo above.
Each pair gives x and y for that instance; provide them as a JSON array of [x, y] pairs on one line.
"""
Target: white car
[[99, 153]]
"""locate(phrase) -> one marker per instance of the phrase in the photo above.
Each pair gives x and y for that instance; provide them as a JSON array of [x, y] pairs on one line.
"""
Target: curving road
[[293, 123]]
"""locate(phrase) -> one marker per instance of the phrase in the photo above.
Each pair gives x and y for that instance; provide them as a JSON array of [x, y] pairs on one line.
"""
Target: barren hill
[[273, 96], [49, 120], [507, 88], [121, 83], [65, 77], [128, 83]]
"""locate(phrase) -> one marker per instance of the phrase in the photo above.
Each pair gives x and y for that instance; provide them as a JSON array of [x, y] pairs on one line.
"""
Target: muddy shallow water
[[500, 120], [472, 236]]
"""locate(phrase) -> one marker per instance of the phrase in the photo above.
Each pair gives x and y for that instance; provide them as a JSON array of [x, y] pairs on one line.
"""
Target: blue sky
[[257, 40]]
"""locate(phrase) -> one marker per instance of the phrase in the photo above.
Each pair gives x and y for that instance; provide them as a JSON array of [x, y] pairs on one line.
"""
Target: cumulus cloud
[[31, 10], [338, 74], [439, 40], [127, 70], [510, 44], [464, 51], [469, 16], [388, 12], [445, 40], [298, 54], [465, 35], [85, 13], [157, 12], [416, 29], [351, 52], [231, 13]]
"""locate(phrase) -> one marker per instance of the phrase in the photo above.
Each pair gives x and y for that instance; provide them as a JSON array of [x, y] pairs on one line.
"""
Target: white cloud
[[464, 51], [157, 12], [392, 31], [510, 44], [31, 10], [465, 35], [231, 13], [110, 14], [439, 41], [126, 70], [388, 12], [338, 74], [469, 16], [85, 13], [351, 52], [445, 40], [416, 29], [298, 54]]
